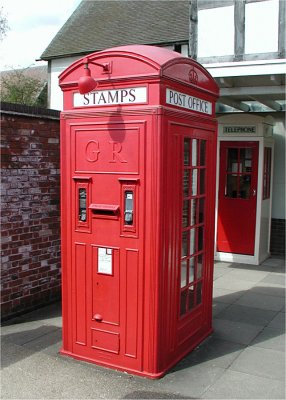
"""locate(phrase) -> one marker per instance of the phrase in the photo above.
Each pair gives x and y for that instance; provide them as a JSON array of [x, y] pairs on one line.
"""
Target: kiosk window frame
[[193, 224]]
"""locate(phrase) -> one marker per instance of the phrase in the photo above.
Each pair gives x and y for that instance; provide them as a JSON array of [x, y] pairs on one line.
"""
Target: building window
[[216, 32], [178, 48], [261, 27], [239, 173]]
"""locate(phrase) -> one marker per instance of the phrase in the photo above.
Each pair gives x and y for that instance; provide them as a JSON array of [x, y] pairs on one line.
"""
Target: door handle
[[98, 317], [253, 192]]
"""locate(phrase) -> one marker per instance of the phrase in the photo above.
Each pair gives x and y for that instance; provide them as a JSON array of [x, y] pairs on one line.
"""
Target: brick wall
[[30, 219]]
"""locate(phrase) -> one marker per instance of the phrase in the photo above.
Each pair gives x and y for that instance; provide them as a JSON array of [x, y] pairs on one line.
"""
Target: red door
[[237, 197], [106, 245], [195, 204]]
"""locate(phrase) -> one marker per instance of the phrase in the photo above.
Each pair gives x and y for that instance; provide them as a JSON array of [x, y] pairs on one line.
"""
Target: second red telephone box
[[138, 146]]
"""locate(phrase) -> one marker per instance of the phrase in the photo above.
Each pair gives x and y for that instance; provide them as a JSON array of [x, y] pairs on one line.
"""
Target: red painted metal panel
[[131, 312], [105, 340], [124, 203], [110, 150], [237, 197], [79, 283], [105, 285]]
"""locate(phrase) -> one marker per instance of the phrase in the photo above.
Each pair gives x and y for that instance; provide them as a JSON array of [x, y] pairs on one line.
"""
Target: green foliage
[[42, 100], [4, 27], [19, 88]]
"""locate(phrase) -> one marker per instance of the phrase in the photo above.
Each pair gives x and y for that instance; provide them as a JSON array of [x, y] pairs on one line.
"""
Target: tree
[[18, 87], [4, 27]]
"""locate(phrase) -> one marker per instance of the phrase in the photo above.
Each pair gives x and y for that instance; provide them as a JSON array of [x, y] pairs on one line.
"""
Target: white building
[[242, 44]]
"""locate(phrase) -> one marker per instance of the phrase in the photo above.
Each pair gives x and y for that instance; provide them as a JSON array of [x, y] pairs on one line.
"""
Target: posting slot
[[107, 211]]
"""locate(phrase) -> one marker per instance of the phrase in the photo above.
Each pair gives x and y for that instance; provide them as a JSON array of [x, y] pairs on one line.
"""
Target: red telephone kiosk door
[[237, 197]]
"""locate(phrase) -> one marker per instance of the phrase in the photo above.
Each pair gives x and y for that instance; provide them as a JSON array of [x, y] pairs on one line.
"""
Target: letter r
[[116, 150]]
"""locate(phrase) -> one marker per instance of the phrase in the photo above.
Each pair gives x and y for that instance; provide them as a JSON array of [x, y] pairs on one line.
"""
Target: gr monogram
[[93, 152]]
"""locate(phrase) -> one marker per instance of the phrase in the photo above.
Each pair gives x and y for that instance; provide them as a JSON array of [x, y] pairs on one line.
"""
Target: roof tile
[[97, 25]]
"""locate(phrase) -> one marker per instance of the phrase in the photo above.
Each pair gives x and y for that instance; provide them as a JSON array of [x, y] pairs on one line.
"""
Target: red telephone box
[[138, 192]]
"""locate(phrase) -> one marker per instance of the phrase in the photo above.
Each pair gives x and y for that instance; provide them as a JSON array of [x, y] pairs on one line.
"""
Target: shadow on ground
[[18, 342], [154, 395]]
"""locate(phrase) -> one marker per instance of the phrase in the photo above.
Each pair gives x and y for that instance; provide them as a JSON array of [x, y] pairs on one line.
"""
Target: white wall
[[216, 32], [261, 27], [278, 201], [216, 29], [55, 92]]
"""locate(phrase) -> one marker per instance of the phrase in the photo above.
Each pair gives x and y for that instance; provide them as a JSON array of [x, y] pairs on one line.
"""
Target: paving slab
[[270, 338], [262, 362], [227, 295], [247, 275], [12, 327], [225, 282], [278, 322], [237, 385], [237, 332], [269, 289], [28, 335], [260, 301], [213, 352], [246, 314], [220, 271], [244, 357], [192, 382], [218, 307], [222, 264], [276, 278], [140, 394], [41, 376], [11, 354], [273, 262], [49, 344]]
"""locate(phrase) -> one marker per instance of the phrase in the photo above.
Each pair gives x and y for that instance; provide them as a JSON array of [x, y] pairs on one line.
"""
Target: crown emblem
[[193, 76]]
